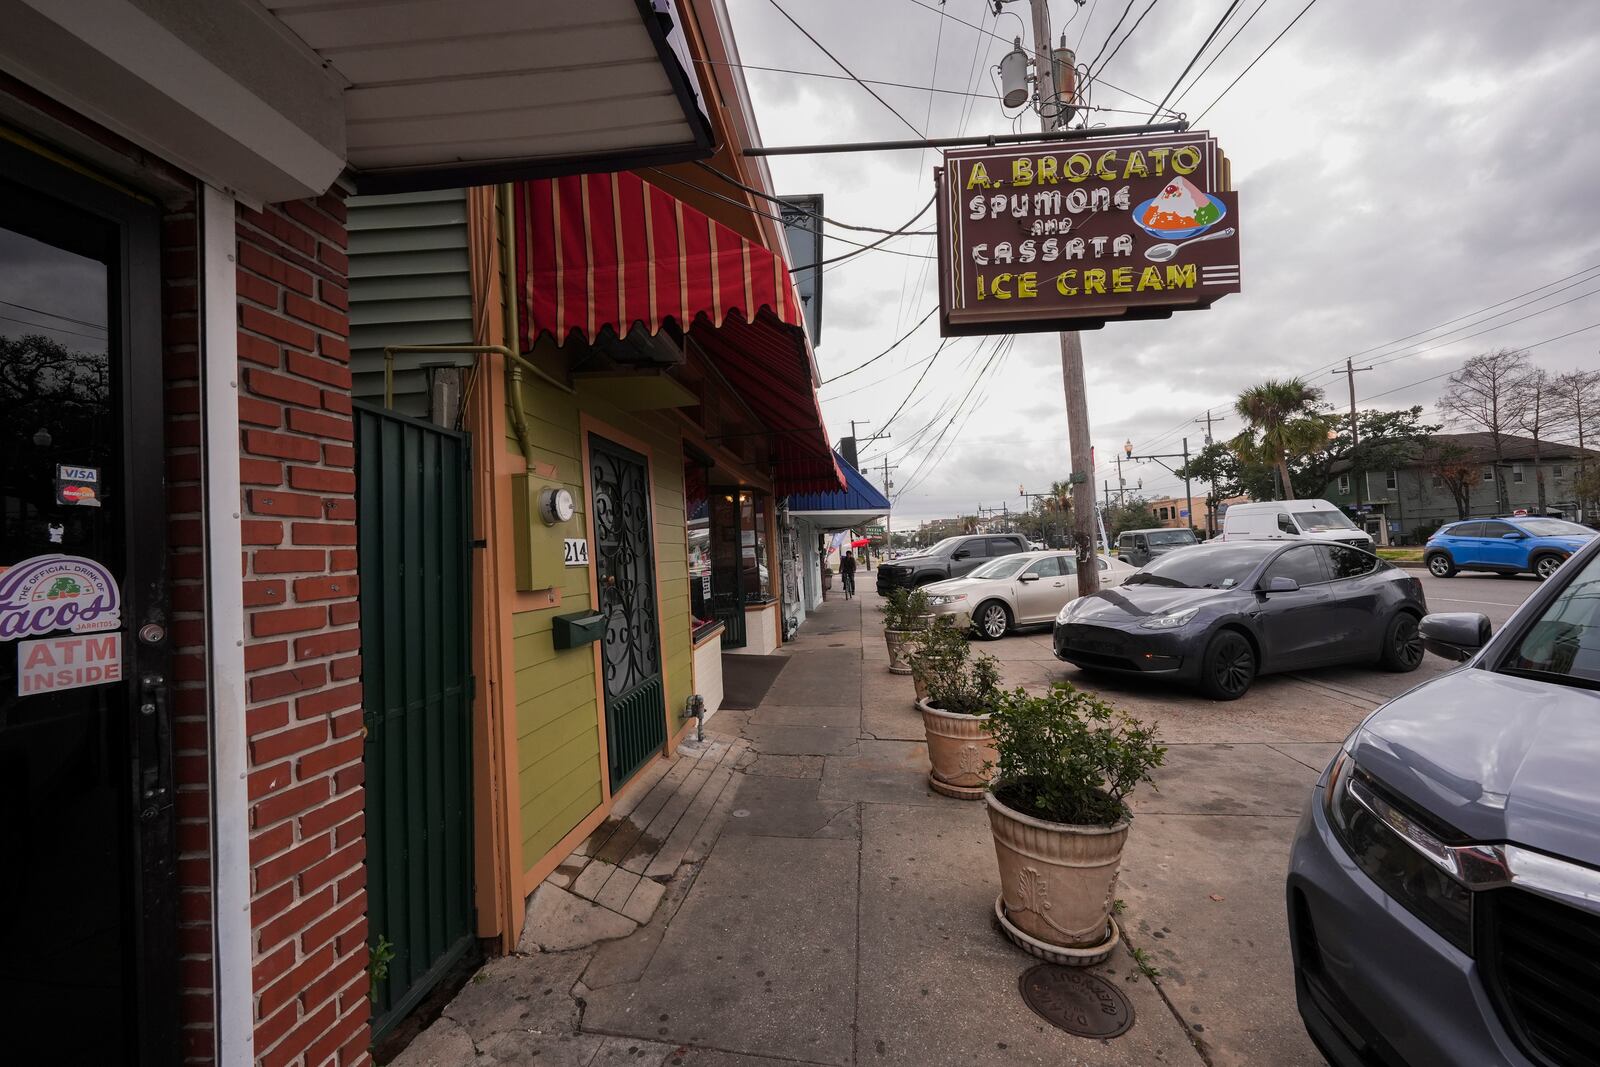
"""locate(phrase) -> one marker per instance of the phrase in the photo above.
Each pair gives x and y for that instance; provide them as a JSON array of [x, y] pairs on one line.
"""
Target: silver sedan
[[1025, 589]]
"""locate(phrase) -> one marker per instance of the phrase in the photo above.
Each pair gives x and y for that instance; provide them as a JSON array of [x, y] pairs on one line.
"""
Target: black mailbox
[[571, 631]]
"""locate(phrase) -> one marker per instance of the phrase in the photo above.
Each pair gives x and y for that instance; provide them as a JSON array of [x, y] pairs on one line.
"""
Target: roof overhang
[[837, 520], [274, 99]]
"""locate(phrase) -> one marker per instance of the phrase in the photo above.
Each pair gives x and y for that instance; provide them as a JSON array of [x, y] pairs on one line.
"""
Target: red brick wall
[[186, 569], [303, 640]]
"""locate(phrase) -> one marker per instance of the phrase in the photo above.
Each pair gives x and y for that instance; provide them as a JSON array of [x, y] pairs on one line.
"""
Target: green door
[[414, 528], [636, 722]]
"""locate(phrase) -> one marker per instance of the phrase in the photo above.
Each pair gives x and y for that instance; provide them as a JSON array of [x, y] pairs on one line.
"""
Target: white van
[[1279, 519]]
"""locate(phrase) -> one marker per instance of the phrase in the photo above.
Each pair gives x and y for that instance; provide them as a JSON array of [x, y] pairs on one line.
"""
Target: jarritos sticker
[[48, 593]]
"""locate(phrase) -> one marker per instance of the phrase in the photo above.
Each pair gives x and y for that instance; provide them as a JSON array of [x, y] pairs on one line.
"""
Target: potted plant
[[904, 613], [1066, 762], [961, 690], [937, 648]]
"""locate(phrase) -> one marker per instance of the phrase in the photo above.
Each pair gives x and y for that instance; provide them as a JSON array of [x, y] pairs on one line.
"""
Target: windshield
[[1220, 567], [943, 548], [1323, 521], [1004, 567], [1554, 528], [1170, 537], [1564, 644]]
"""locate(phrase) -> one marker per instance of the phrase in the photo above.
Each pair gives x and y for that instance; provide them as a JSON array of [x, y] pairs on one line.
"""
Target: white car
[[1023, 589]]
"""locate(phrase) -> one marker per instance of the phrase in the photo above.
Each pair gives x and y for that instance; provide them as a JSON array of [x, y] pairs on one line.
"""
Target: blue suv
[[1505, 546]]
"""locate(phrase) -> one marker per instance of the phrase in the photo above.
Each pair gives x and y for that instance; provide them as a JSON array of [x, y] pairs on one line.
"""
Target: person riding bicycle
[[847, 571]]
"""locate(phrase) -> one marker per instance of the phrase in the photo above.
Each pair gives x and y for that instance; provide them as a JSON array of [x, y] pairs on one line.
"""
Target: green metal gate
[[412, 489], [636, 722]]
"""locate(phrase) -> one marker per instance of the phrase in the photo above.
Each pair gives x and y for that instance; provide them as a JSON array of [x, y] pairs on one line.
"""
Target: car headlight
[[1169, 621], [1407, 859], [946, 598]]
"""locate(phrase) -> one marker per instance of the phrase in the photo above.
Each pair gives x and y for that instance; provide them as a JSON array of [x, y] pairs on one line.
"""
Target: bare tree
[[1576, 397], [1484, 394], [1540, 417]]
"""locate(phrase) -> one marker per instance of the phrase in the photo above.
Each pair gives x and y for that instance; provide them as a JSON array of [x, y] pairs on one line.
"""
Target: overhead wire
[[1198, 52], [823, 48], [1309, 5], [1219, 52], [781, 202], [862, 366], [1131, 29]]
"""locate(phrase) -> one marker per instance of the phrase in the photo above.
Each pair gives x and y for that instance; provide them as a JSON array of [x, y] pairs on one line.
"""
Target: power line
[[1101, 50], [844, 68], [1453, 370], [845, 77], [53, 315], [753, 191], [1212, 36], [931, 312], [1085, 31], [53, 329], [1093, 74], [915, 385], [1254, 61], [873, 245], [779, 219], [1218, 55]]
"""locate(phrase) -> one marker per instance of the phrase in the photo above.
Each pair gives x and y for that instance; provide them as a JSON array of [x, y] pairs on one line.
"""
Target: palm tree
[[1284, 414]]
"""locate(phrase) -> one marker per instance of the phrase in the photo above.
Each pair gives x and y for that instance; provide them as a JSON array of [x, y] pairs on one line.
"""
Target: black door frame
[[137, 356]]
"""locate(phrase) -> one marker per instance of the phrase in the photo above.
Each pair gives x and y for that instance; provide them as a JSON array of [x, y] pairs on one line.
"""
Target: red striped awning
[[599, 252]]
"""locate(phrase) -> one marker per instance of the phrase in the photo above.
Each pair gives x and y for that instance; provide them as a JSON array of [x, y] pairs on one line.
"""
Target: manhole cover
[[1077, 1002]]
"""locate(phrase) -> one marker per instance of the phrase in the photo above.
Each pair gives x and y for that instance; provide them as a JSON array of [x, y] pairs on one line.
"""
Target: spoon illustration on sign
[[1162, 252]]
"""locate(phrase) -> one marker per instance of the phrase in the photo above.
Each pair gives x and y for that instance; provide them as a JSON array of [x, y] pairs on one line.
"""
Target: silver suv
[[1444, 886]]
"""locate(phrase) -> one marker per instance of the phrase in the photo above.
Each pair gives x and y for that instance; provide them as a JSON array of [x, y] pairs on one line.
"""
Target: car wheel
[[992, 620], [1402, 644], [1545, 566], [1441, 566], [1229, 666]]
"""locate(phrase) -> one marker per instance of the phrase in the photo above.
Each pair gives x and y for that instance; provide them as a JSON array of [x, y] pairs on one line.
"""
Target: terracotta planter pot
[[1057, 880], [959, 747], [899, 642]]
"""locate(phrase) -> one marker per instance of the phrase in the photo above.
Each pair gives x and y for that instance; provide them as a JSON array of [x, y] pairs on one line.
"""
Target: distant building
[[1405, 505], [1173, 510]]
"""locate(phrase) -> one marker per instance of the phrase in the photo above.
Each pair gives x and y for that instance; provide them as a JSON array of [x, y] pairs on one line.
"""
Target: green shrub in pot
[[1065, 764], [905, 611], [958, 691]]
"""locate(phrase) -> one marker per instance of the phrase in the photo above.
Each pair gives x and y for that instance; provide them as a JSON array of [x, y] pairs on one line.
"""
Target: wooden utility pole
[[888, 516], [1357, 476], [1079, 448]]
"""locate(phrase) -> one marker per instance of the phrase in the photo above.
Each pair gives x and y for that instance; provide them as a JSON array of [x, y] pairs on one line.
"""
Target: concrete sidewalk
[[791, 891]]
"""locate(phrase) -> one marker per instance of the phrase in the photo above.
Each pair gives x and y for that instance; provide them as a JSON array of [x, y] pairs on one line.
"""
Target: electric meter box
[[540, 554]]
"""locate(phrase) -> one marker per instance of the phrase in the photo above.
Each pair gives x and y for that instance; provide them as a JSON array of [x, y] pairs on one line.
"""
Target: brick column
[[303, 637]]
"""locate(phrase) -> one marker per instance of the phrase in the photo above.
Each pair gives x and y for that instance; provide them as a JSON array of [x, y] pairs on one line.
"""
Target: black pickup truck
[[950, 558]]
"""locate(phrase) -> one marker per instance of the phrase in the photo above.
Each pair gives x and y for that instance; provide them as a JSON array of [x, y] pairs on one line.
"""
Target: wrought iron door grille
[[630, 657]]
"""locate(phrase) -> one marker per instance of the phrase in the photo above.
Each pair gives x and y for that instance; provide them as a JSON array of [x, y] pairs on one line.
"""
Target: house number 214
[[575, 552]]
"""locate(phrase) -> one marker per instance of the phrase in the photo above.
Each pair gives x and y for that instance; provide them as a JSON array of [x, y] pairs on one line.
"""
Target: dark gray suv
[[951, 558], [1444, 886]]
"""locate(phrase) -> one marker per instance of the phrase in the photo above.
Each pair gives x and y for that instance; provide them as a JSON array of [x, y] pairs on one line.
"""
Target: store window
[[754, 574], [697, 512], [741, 575]]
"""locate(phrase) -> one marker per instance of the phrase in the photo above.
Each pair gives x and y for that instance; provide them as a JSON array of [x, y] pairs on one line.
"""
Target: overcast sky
[[1399, 166]]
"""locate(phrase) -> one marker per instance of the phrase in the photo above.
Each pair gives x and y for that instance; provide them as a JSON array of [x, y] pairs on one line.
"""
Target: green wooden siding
[[410, 283], [558, 742]]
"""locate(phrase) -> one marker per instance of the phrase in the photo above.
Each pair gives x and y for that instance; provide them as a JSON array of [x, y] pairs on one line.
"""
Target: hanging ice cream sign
[[1075, 235], [48, 593]]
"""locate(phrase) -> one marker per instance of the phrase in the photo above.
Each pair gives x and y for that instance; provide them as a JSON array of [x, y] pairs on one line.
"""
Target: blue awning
[[858, 503]]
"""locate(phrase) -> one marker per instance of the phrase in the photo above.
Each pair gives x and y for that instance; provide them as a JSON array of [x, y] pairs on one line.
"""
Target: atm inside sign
[[68, 662]]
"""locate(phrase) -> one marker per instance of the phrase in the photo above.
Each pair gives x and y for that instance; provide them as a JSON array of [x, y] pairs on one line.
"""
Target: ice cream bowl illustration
[[1180, 210]]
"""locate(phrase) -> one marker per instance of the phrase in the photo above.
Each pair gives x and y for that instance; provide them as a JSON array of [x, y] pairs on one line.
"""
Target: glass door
[[87, 934]]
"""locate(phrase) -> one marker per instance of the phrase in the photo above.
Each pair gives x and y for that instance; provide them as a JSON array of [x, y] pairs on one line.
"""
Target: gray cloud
[[1398, 165]]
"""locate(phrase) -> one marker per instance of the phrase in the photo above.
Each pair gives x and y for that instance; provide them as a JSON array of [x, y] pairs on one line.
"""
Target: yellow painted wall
[[558, 743]]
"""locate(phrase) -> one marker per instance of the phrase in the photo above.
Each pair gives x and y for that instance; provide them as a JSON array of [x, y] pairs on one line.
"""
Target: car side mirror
[[1456, 635], [961, 554], [1281, 584], [1028, 578]]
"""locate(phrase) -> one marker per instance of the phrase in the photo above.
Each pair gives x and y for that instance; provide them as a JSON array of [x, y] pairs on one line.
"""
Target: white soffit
[[462, 92]]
